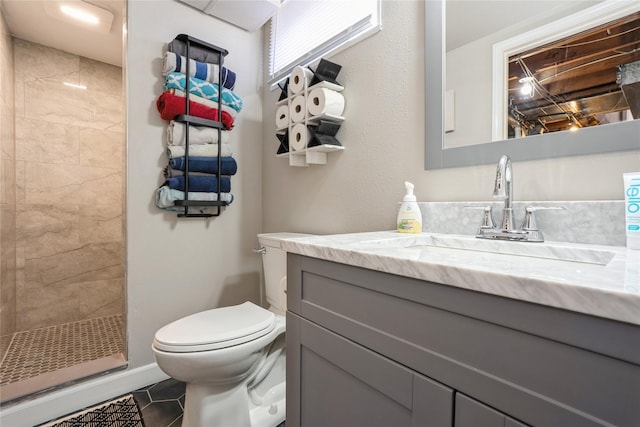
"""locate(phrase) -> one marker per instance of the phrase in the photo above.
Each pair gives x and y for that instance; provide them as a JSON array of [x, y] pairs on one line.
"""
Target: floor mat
[[122, 412]]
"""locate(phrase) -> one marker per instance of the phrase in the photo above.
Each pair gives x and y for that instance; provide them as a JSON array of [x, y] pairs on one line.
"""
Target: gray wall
[[383, 134], [176, 266]]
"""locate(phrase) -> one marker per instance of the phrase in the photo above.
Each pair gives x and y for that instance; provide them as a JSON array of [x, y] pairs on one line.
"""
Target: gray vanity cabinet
[[345, 384], [366, 348], [471, 413]]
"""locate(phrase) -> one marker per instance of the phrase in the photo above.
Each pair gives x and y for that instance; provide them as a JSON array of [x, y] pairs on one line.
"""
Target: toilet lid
[[214, 329]]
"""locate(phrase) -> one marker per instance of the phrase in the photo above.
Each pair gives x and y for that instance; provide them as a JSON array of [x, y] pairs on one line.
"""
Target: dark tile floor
[[161, 404]]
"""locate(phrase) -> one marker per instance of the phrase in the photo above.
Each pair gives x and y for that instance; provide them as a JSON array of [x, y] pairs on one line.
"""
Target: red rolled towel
[[170, 105]]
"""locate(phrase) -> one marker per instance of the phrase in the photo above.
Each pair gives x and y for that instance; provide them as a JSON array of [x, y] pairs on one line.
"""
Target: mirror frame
[[623, 136]]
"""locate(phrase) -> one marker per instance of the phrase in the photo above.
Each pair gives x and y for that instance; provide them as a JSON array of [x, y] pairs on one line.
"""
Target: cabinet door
[[432, 403], [344, 384], [471, 413]]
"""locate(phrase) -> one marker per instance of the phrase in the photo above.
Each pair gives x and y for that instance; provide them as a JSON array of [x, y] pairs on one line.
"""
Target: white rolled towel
[[323, 101], [298, 109], [197, 135], [282, 117], [206, 150], [299, 137], [299, 79]]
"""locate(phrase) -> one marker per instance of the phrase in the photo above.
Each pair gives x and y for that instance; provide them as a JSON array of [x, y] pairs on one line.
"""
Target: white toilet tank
[[274, 262]]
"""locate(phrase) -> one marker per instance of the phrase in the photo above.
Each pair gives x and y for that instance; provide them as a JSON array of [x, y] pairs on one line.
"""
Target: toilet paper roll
[[325, 101], [282, 117], [299, 137], [298, 109], [299, 79]]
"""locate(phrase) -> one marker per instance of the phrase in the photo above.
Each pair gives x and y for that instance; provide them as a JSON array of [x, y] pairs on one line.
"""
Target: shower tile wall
[[70, 187], [7, 192]]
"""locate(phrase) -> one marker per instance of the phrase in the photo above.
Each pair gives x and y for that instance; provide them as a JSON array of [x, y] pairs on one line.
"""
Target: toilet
[[233, 358]]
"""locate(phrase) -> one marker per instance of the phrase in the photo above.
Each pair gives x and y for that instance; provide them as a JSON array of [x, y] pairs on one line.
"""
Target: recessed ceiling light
[[80, 13]]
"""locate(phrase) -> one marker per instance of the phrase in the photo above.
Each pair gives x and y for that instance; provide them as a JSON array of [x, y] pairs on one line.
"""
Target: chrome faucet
[[504, 190], [529, 231]]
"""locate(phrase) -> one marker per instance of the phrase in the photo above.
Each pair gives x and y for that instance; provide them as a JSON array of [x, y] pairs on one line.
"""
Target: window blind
[[304, 30]]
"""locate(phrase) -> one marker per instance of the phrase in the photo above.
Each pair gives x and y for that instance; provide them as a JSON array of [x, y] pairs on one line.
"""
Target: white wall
[[383, 134], [181, 266]]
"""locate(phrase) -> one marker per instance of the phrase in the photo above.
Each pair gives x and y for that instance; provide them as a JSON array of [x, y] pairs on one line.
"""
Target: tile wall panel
[[7, 190], [69, 189]]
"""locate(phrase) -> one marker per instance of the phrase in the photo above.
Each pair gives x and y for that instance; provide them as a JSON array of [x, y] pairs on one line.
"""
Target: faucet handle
[[530, 223], [487, 217]]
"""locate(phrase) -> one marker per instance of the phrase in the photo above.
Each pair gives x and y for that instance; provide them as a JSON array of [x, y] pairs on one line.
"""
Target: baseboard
[[76, 397]]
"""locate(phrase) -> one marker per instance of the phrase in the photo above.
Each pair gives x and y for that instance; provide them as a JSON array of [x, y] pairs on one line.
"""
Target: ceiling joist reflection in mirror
[[588, 79]]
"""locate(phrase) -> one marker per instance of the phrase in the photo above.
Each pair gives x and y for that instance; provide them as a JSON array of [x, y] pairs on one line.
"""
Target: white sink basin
[[547, 250]]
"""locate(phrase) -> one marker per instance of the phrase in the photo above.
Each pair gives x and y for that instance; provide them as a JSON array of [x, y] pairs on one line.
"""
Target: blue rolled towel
[[201, 184], [203, 89], [228, 165]]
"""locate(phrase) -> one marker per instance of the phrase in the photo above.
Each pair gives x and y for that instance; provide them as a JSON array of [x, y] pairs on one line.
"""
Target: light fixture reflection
[[527, 88], [80, 15], [74, 85]]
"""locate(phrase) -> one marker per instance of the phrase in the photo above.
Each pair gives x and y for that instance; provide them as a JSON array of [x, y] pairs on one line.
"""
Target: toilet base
[[211, 405], [258, 401], [272, 411]]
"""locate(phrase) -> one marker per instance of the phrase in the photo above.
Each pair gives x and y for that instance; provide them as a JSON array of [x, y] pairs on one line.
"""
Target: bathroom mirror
[[599, 139]]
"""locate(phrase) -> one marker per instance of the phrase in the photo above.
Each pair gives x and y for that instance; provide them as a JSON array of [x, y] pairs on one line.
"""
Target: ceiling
[[470, 20], [577, 78], [28, 20]]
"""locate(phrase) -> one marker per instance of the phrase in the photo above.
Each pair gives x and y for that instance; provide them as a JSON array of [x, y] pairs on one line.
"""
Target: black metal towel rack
[[188, 120]]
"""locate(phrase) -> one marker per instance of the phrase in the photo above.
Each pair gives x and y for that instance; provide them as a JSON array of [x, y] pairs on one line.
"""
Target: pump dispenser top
[[409, 216], [409, 197]]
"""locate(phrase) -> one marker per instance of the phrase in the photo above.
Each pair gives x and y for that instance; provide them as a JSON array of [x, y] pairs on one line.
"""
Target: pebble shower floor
[[43, 350]]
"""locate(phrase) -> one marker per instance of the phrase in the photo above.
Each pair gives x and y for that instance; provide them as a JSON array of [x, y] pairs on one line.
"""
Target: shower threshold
[[50, 381]]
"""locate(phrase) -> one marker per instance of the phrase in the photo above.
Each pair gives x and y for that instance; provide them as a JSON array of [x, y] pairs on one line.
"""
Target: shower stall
[[62, 166]]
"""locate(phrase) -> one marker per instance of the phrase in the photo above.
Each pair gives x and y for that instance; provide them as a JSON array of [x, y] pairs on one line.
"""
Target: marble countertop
[[610, 290]]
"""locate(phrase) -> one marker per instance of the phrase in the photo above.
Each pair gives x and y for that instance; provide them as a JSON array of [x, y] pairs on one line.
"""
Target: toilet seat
[[215, 329]]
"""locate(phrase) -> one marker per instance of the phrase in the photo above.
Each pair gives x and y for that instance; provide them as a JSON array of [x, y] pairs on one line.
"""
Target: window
[[303, 31]]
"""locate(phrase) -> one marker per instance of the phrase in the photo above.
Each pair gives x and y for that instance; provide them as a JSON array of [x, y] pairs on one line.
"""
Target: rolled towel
[[206, 102], [208, 72], [203, 89], [195, 52], [169, 172], [201, 184], [170, 106], [197, 135], [228, 165], [166, 198], [207, 150]]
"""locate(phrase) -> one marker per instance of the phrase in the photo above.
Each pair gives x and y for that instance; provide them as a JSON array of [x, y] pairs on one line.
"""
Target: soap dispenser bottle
[[409, 215]]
